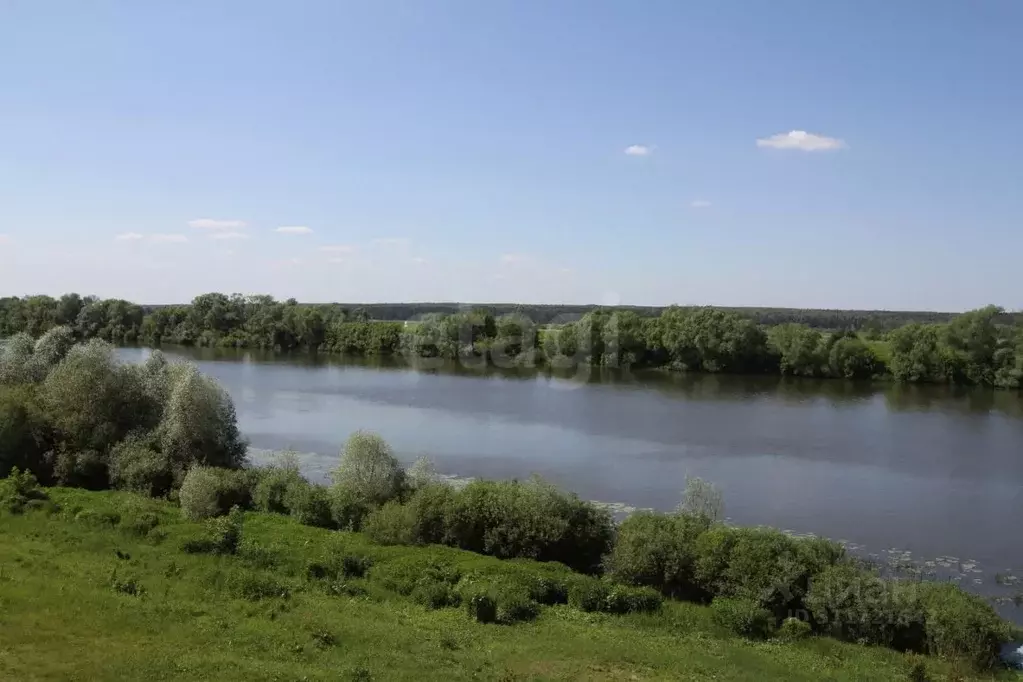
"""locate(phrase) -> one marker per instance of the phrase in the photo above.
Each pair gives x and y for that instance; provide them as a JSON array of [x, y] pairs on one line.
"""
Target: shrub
[[702, 499], [430, 507], [91, 517], [136, 466], [19, 490], [859, 606], [278, 484], [761, 564], [223, 535], [402, 575], [256, 586], [547, 591], [347, 510], [435, 594], [200, 493], [355, 566], [659, 551], [310, 505], [962, 626], [137, 521], [392, 524], [604, 597], [369, 469], [481, 608], [514, 605], [83, 469], [743, 617], [794, 629], [510, 519], [421, 474]]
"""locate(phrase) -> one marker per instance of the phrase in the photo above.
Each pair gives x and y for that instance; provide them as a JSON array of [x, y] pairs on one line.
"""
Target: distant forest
[[543, 314], [980, 347]]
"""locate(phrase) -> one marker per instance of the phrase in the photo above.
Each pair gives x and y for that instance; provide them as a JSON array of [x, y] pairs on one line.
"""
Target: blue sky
[[572, 151]]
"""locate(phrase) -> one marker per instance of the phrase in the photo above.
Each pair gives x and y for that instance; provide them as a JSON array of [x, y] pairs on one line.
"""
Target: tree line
[[982, 347]]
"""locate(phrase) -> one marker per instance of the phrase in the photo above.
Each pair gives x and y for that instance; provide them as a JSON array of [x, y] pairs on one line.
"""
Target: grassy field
[[95, 592]]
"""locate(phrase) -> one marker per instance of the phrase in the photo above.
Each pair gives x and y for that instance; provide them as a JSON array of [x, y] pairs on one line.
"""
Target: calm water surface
[[925, 469]]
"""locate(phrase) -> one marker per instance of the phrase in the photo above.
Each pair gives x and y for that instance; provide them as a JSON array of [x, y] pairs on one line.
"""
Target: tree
[[798, 348], [369, 468], [199, 423]]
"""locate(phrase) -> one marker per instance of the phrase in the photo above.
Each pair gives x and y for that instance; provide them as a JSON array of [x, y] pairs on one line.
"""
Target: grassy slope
[[60, 619]]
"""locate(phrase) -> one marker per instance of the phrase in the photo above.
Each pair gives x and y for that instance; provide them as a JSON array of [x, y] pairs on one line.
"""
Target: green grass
[[68, 612]]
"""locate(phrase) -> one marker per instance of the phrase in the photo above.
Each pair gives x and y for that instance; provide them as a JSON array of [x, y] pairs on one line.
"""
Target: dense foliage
[[72, 414], [982, 347]]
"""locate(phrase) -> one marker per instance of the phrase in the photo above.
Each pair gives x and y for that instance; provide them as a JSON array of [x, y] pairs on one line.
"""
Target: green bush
[[546, 591], [391, 524], [514, 605], [277, 483], [794, 629], [139, 522], [136, 466], [19, 490], [659, 551], [430, 507], [481, 608], [199, 495], [858, 606], [369, 469], [743, 617], [761, 564], [593, 595], [534, 520], [310, 505], [435, 594], [355, 566], [347, 510], [223, 535], [962, 626], [92, 517], [403, 574]]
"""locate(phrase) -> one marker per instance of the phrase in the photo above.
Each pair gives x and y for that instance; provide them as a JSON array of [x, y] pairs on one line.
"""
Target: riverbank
[[100, 591]]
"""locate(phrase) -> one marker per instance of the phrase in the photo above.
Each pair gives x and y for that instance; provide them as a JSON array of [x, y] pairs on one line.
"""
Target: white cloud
[[338, 248], [229, 235], [287, 262], [801, 140], [168, 238], [129, 237], [214, 224], [639, 150], [699, 203], [4, 239], [419, 260], [514, 258], [294, 229], [337, 259]]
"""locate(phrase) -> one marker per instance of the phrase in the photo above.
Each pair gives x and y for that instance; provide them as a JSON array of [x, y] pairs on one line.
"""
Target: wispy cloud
[[337, 259], [294, 229], [419, 260], [229, 235], [699, 203], [338, 248], [215, 224], [287, 263], [168, 238], [639, 150], [802, 141], [129, 237], [5, 239], [514, 258]]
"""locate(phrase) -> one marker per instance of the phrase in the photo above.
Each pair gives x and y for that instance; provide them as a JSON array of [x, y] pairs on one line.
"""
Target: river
[[929, 473]]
